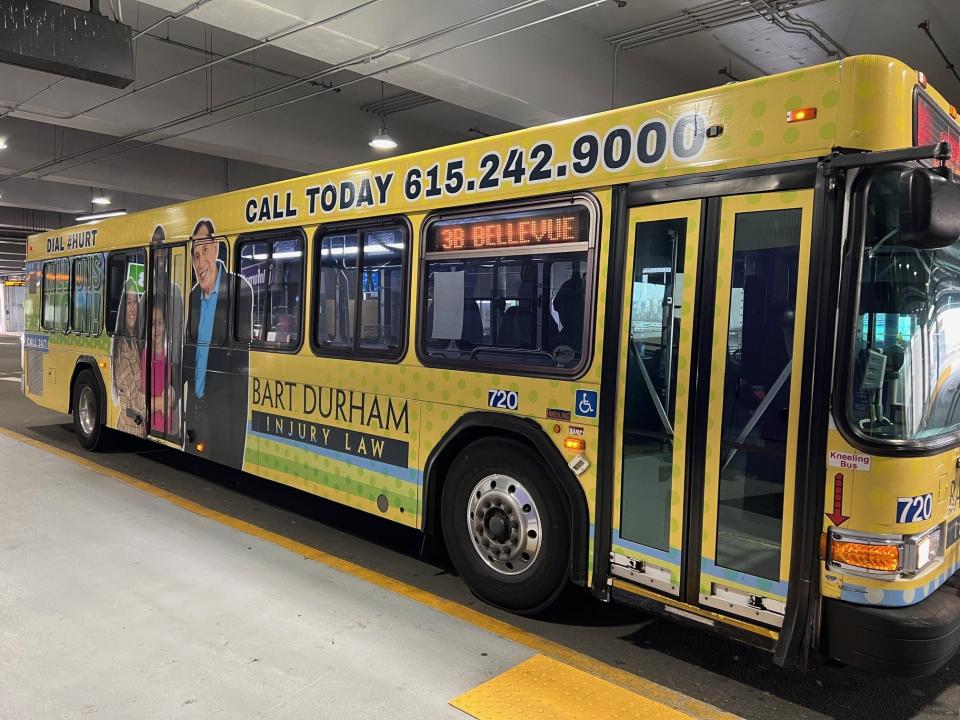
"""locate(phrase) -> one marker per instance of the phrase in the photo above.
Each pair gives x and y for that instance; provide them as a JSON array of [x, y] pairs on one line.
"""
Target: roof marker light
[[801, 114]]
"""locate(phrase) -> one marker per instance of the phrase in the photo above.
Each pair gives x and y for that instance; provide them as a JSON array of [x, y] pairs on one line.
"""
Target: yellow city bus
[[697, 354]]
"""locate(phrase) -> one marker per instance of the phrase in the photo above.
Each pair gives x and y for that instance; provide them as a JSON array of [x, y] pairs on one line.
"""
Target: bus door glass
[[162, 369], [754, 398], [649, 499], [704, 502]]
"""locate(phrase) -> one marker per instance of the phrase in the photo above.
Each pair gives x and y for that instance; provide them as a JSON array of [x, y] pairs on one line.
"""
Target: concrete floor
[[116, 603], [722, 672]]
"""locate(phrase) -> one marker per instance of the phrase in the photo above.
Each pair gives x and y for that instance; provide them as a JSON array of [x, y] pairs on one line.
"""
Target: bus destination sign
[[513, 230]]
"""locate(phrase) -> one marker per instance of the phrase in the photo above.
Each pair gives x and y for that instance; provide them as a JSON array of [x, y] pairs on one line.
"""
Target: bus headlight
[[922, 550]]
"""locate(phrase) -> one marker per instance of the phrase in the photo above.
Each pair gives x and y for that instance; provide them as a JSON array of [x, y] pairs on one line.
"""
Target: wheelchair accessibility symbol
[[586, 403]]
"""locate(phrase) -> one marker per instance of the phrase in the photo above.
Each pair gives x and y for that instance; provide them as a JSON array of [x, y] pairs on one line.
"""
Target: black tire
[[534, 584], [87, 411]]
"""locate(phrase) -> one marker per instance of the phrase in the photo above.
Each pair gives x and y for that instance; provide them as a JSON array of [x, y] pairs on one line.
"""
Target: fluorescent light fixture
[[383, 141], [100, 215], [100, 200]]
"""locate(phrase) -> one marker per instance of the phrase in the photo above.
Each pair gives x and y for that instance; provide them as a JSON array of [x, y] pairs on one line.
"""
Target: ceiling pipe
[[725, 71], [170, 18], [708, 16], [797, 20], [774, 17], [925, 26]]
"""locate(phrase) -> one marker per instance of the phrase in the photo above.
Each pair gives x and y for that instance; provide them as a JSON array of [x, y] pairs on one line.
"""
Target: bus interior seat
[[568, 304], [517, 322], [470, 336], [472, 323]]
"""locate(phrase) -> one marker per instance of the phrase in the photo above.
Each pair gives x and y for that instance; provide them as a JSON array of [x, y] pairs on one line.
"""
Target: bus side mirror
[[929, 209]]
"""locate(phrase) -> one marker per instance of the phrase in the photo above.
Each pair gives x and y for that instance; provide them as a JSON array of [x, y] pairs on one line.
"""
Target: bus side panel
[[344, 430]]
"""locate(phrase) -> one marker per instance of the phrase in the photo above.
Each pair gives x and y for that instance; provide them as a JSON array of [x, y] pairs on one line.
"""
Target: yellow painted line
[[624, 679], [543, 687]]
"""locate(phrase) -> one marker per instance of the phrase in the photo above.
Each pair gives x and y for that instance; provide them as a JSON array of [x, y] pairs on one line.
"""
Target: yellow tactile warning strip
[[542, 687], [652, 691]]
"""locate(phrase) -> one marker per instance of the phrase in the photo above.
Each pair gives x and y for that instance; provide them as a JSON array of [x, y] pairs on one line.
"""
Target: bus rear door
[[708, 401], [165, 341]]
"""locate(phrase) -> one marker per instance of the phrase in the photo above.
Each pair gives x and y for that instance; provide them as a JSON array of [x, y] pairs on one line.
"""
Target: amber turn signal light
[[574, 443], [201, 447], [801, 114], [884, 558]]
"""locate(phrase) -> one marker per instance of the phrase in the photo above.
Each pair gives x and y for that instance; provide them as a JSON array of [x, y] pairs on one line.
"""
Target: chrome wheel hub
[[87, 411], [504, 523]]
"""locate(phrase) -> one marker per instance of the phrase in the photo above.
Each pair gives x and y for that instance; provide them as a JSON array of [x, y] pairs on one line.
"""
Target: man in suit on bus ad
[[216, 365]]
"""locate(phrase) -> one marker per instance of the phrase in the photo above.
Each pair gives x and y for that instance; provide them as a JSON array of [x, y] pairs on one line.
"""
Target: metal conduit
[[383, 71], [398, 103], [773, 17], [797, 20], [708, 16], [176, 16], [357, 60], [695, 19]]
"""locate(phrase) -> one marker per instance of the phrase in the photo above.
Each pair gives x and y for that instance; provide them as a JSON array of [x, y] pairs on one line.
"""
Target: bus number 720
[[914, 509]]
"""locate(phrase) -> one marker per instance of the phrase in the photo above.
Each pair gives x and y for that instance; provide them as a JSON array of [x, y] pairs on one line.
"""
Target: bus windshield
[[906, 354]]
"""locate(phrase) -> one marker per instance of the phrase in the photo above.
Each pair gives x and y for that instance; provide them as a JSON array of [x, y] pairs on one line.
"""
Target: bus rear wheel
[[505, 526], [87, 401]]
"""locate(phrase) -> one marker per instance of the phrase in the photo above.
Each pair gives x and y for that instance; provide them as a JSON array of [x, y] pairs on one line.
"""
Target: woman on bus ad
[[127, 368]]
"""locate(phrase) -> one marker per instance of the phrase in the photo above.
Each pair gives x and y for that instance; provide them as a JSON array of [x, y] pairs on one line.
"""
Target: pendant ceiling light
[[382, 140], [100, 199]]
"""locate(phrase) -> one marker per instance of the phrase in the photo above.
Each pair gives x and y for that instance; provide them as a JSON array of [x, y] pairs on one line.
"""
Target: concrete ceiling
[[175, 134]]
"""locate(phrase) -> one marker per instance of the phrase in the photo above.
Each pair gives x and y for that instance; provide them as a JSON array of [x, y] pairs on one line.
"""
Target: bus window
[[906, 354], [125, 275], [756, 391], [364, 263], [56, 295], [274, 269], [49, 313], [382, 302], [87, 305], [508, 289]]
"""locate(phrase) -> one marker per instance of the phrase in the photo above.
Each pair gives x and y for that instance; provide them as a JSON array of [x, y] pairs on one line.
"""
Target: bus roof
[[863, 102]]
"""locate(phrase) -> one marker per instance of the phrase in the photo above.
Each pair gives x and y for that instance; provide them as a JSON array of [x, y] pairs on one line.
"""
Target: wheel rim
[[505, 525], [87, 410]]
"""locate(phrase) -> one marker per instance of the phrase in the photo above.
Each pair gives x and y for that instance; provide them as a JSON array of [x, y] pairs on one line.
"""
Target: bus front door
[[709, 401], [165, 342]]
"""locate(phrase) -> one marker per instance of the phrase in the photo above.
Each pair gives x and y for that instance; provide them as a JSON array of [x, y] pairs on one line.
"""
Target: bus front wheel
[[505, 526], [87, 412]]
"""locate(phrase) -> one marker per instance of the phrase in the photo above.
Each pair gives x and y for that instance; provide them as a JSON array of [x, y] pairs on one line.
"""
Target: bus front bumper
[[907, 641]]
